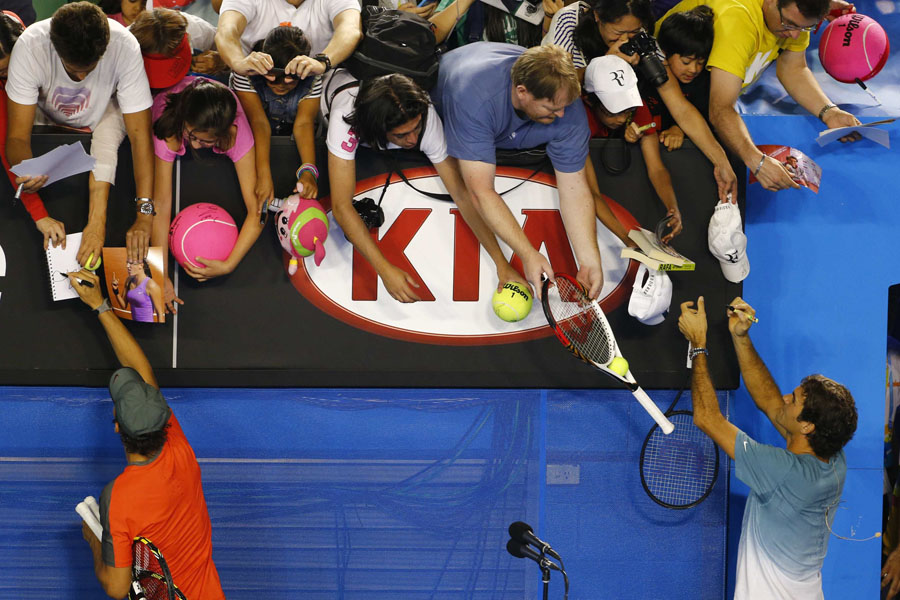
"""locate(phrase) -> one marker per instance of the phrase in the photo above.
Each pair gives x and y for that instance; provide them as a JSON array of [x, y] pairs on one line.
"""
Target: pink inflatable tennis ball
[[204, 230], [854, 47]]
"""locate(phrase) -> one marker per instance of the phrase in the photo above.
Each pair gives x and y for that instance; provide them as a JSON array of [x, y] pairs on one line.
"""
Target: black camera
[[650, 65], [370, 213]]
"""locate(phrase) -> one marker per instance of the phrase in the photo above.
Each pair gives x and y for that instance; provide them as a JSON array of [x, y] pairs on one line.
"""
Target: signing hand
[[32, 183], [773, 176], [211, 268], [692, 322], [741, 318], [836, 117], [52, 230], [399, 284], [92, 239], [307, 186], [633, 133], [255, 63], [137, 240], [169, 297], [672, 138], [92, 296]]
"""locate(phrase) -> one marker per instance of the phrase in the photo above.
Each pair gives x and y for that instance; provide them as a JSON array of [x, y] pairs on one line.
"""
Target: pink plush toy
[[302, 228]]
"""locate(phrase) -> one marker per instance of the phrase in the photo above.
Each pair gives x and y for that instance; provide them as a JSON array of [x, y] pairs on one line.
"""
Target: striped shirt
[[562, 32]]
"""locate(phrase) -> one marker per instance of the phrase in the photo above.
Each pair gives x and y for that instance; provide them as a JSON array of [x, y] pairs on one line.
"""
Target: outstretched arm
[[799, 82], [479, 180], [708, 416], [757, 379], [127, 350], [448, 170]]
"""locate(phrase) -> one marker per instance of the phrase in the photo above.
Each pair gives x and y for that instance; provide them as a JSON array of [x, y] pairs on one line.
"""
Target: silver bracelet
[[759, 166], [825, 109]]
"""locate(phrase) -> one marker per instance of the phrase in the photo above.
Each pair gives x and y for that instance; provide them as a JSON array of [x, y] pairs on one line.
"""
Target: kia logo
[[429, 239]]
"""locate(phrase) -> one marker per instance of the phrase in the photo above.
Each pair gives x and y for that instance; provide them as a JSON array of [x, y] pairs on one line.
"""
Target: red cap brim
[[166, 71]]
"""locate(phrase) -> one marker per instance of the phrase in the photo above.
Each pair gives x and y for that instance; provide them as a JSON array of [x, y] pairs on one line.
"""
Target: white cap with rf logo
[[614, 83]]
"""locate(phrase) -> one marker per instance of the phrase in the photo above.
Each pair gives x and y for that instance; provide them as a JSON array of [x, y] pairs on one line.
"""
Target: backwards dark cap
[[165, 71], [140, 407]]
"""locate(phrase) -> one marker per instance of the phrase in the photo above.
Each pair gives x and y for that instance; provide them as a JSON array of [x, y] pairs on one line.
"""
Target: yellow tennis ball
[[95, 266], [512, 303], [619, 366]]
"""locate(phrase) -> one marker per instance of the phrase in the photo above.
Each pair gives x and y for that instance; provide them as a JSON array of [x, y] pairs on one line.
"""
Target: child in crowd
[[174, 43], [52, 230], [123, 12], [282, 104], [615, 108], [686, 38], [203, 114]]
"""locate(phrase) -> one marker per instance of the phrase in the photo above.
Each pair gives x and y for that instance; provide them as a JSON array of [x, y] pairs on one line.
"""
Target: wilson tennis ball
[[512, 303], [619, 366]]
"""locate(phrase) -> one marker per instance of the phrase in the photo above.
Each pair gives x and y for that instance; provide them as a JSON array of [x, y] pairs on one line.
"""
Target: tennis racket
[[581, 326], [679, 470], [151, 579]]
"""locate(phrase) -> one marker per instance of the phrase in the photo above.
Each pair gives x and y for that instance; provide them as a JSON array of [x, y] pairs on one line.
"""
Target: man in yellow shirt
[[750, 34]]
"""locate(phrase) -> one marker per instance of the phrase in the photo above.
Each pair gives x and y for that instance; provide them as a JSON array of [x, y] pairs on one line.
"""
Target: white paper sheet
[[61, 162]]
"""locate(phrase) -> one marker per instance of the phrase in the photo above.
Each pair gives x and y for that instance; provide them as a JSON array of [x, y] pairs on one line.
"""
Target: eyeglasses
[[203, 143], [793, 26]]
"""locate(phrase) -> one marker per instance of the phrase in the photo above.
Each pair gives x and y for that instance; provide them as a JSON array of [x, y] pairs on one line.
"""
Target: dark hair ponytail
[[10, 30], [206, 105]]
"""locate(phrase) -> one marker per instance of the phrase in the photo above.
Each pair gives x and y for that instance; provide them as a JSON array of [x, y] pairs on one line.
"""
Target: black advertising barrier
[[253, 327]]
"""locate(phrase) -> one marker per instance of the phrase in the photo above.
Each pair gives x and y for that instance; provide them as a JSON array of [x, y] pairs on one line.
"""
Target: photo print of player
[[135, 288]]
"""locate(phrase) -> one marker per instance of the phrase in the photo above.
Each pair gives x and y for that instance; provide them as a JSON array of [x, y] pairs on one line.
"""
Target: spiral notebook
[[60, 262]]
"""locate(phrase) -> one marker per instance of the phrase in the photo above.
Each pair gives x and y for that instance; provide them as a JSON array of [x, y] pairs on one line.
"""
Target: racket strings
[[149, 573], [575, 316], [679, 469]]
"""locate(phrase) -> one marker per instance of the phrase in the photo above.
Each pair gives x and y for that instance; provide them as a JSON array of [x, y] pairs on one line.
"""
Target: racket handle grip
[[653, 410], [92, 504], [88, 515]]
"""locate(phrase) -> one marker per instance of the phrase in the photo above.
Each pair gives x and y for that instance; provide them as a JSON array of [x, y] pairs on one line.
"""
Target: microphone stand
[[545, 574]]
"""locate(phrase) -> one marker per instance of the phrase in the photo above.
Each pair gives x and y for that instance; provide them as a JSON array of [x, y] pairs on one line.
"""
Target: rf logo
[[619, 77]]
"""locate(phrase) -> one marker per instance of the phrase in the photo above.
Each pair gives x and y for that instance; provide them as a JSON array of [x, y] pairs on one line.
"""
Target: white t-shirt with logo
[[37, 76], [314, 17], [342, 141]]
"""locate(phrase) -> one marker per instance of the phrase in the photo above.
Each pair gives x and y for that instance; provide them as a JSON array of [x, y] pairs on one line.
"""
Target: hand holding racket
[[581, 326]]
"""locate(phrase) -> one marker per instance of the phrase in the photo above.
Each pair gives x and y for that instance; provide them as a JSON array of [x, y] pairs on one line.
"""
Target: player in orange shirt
[[159, 495]]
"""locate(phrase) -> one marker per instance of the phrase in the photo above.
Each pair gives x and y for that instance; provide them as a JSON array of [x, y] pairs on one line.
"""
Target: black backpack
[[395, 41]]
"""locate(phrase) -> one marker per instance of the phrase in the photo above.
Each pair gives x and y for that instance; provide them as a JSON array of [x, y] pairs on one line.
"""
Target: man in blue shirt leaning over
[[794, 491], [502, 96]]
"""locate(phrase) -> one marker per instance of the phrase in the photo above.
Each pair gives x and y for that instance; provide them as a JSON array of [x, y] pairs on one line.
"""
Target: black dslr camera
[[650, 66], [371, 214]]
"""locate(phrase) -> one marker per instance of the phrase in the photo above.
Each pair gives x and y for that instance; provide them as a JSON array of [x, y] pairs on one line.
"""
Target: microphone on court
[[523, 533], [520, 550]]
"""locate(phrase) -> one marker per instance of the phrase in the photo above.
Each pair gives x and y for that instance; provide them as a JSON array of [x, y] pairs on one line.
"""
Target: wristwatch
[[145, 206], [103, 307], [323, 58]]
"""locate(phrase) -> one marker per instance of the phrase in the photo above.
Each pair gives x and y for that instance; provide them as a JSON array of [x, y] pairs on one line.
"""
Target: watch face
[[146, 208]]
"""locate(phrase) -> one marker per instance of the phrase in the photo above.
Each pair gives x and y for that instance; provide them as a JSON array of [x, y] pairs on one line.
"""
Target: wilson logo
[[855, 20], [430, 240]]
